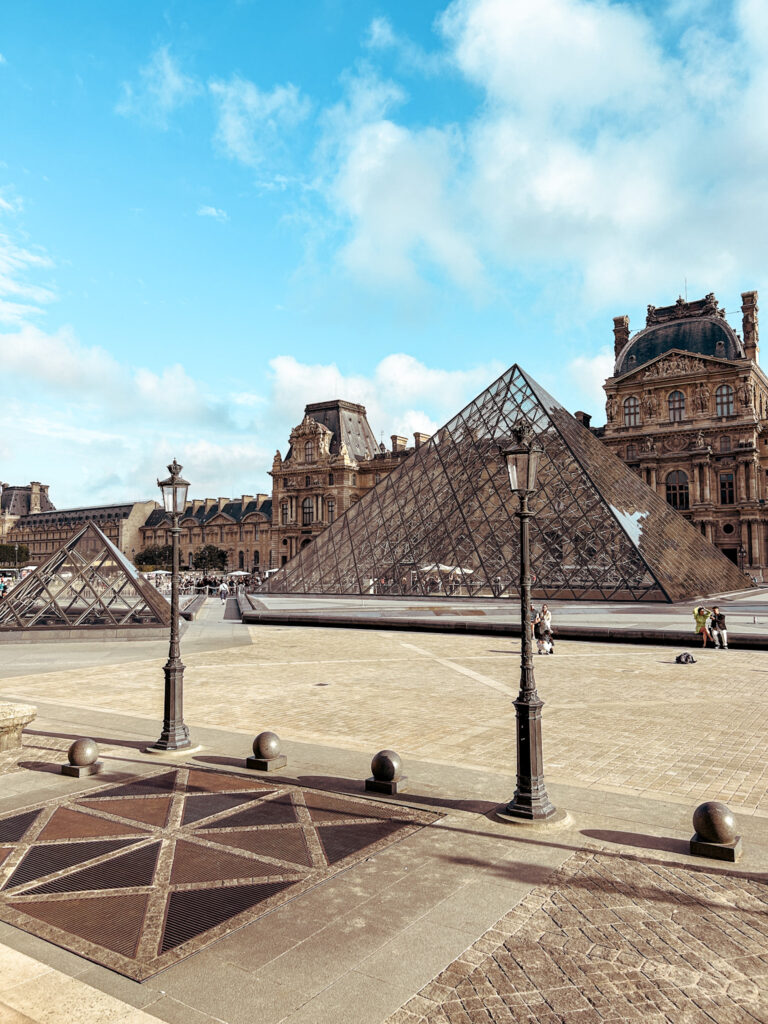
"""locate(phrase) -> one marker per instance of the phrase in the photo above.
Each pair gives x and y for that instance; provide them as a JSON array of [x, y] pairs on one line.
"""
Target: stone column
[[744, 534], [749, 324], [620, 334]]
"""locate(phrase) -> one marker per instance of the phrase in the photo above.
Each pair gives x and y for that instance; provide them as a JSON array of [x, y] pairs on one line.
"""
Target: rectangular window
[[284, 514], [331, 510], [726, 489], [330, 479]]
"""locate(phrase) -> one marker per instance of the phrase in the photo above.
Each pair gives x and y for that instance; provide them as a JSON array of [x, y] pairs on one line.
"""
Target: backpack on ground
[[685, 659]]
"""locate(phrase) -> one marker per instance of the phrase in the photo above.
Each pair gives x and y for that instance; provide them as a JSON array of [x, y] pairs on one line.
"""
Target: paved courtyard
[[608, 907]]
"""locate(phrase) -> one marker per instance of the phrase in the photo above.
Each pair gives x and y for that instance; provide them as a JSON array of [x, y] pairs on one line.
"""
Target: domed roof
[[698, 327]]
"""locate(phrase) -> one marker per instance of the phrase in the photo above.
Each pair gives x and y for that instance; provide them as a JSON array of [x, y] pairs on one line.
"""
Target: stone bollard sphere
[[83, 753], [386, 766], [266, 745], [714, 822]]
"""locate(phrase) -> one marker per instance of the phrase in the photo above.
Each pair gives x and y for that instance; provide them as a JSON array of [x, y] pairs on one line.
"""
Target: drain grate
[[192, 912], [153, 886]]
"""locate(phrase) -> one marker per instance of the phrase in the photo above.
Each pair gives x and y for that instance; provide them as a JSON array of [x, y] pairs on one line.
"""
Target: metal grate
[[13, 829], [147, 787], [282, 844], [194, 911], [69, 824], [198, 807], [216, 782], [136, 867], [269, 812], [326, 808], [192, 863], [86, 918], [144, 810], [339, 841], [44, 860]]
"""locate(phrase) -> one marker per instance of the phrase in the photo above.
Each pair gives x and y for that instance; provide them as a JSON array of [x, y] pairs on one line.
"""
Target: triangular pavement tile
[[111, 921], [198, 807], [327, 809], [12, 829], [222, 782], [279, 811], [340, 841], [287, 844], [191, 912], [67, 823], [153, 786], [193, 863], [134, 868], [44, 860], [148, 811], [599, 532]]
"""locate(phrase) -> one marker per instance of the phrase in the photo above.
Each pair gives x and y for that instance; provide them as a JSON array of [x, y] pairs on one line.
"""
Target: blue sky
[[211, 214]]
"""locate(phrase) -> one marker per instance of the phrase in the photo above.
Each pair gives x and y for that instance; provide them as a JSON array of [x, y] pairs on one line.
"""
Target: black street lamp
[[175, 734], [530, 802]]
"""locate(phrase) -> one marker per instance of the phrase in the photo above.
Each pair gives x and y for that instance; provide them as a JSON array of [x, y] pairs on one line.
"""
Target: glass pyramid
[[443, 523], [87, 583]]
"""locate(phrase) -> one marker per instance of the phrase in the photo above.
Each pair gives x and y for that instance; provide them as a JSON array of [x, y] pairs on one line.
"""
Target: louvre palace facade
[[687, 410]]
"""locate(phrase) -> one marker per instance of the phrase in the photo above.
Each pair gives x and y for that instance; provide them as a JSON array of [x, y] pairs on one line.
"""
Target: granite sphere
[[386, 766], [266, 745], [714, 822], [83, 752]]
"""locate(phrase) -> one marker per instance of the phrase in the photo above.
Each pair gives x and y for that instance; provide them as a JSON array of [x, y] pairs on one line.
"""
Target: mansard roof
[[348, 423], [16, 500], [698, 327], [233, 509]]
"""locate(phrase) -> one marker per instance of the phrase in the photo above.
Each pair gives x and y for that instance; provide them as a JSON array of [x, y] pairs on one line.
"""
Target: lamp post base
[[557, 819], [173, 753]]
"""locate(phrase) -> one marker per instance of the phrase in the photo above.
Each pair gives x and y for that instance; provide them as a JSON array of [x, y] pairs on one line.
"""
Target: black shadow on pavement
[[638, 839]]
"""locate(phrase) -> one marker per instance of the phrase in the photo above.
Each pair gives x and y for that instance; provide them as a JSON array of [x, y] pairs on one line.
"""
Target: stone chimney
[[209, 503], [197, 503], [245, 499], [749, 324], [34, 496], [420, 439], [222, 502], [620, 334], [584, 418], [398, 443]]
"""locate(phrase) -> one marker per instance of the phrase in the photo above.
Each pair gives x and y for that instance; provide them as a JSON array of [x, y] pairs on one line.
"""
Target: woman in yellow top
[[700, 616]]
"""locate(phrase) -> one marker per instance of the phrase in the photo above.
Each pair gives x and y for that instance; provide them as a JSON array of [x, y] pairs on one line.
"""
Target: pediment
[[221, 519], [675, 363]]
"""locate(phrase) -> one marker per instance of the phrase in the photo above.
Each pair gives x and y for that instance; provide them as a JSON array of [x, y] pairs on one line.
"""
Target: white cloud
[[20, 299], [212, 211], [382, 36], [162, 88], [2, 59], [252, 123], [586, 376], [401, 396]]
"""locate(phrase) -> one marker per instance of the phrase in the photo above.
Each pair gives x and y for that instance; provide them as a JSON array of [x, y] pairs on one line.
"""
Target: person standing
[[223, 592], [718, 630], [700, 615]]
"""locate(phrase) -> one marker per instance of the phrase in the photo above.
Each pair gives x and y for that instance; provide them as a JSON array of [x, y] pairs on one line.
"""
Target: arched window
[[725, 443], [676, 402], [306, 512], [309, 452], [631, 412], [677, 489], [724, 400]]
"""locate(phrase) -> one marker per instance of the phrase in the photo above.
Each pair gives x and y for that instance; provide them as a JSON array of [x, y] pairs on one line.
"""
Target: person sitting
[[701, 615], [544, 643], [718, 630]]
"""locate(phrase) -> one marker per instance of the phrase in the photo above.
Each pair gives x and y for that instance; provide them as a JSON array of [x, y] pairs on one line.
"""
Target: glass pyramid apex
[[443, 522]]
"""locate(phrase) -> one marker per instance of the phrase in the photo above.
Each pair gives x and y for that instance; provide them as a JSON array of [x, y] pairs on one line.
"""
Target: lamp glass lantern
[[174, 490], [522, 458]]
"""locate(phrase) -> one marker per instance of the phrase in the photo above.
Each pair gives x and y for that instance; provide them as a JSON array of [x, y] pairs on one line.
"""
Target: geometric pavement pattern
[[444, 521], [139, 875], [613, 938], [88, 582]]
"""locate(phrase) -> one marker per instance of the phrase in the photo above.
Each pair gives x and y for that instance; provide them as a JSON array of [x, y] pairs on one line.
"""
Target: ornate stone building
[[687, 409], [46, 531], [239, 527], [16, 502], [333, 459]]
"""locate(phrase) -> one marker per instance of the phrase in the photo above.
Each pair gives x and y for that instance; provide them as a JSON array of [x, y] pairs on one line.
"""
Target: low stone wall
[[13, 718]]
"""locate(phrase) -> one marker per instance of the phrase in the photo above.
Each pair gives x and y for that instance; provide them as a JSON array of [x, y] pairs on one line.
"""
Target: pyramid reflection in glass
[[443, 522]]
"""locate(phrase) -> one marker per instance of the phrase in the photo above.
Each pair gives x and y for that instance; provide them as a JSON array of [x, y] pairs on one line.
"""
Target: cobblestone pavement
[[615, 717], [613, 939]]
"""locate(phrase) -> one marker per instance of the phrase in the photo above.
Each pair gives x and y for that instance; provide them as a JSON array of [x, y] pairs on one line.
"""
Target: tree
[[160, 556], [210, 557], [8, 554]]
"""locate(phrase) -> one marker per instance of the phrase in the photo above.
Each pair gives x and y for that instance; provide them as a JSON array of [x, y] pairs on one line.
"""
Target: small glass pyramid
[[87, 583], [443, 523]]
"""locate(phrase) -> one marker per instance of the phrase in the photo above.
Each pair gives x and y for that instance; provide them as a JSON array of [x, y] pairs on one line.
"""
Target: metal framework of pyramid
[[443, 523], [88, 583]]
